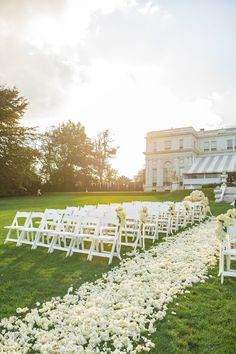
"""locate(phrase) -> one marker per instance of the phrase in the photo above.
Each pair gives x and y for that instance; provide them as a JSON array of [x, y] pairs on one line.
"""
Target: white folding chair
[[107, 242], [28, 234], [45, 232], [198, 215], [20, 221], [182, 217], [164, 223], [229, 252], [64, 233], [130, 234], [149, 230], [87, 228]]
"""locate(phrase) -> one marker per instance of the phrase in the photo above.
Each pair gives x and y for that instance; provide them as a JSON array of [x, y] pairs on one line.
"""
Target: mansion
[[186, 158]]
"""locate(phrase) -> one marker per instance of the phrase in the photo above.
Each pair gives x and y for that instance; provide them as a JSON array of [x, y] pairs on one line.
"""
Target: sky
[[130, 66]]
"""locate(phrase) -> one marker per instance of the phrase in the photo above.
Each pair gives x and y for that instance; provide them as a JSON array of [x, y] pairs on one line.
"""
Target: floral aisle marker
[[223, 221], [121, 216], [117, 312], [199, 196], [171, 209]]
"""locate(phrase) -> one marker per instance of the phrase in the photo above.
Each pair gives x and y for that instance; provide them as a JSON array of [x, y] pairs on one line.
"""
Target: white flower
[[22, 310], [70, 290], [113, 314]]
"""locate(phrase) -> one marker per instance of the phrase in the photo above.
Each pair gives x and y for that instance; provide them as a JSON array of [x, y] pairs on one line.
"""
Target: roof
[[202, 133], [213, 164]]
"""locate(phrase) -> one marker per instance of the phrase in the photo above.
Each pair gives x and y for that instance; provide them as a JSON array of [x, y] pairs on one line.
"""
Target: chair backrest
[[21, 218], [89, 225], [109, 226], [231, 230], [69, 223], [50, 219], [36, 218], [72, 209]]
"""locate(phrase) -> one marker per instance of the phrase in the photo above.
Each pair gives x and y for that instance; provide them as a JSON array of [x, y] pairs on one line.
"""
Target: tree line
[[62, 158]]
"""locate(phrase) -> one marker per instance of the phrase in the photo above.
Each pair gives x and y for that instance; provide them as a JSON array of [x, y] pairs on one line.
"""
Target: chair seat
[[103, 238], [230, 252], [150, 224], [16, 227]]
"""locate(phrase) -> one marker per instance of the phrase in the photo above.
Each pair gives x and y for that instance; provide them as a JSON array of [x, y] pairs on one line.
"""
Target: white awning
[[213, 164]]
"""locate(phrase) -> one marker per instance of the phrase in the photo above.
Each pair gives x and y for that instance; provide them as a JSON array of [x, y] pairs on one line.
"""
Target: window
[[181, 143], [206, 145], [181, 173], [154, 175], [181, 162], [213, 145], [167, 173], [167, 145], [229, 144]]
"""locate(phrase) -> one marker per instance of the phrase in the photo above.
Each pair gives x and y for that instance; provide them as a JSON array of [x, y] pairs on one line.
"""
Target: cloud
[[127, 65]]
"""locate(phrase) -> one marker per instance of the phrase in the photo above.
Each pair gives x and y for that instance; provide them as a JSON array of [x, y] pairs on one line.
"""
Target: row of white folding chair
[[21, 226], [52, 222], [87, 235], [80, 230], [26, 225], [40, 223], [70, 236]]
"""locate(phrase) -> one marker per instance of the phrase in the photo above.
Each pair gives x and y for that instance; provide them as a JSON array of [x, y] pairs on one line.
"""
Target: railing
[[219, 193]]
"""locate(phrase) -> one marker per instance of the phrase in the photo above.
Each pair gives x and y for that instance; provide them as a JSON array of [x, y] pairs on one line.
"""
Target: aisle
[[116, 313]]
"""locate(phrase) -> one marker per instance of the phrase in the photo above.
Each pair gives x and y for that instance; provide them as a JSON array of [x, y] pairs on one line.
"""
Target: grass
[[206, 317]]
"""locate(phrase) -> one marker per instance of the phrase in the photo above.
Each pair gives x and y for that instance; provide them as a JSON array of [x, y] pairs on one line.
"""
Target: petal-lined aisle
[[115, 313]]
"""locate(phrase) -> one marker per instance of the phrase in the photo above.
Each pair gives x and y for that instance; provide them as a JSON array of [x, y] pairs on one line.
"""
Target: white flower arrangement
[[116, 313], [121, 216], [171, 208], [199, 196], [231, 213], [187, 208], [196, 196], [143, 215], [223, 221]]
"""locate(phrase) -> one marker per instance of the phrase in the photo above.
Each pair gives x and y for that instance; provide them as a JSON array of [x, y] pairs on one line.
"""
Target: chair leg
[[37, 237], [70, 250], [53, 242], [90, 255], [114, 246], [222, 278], [228, 260]]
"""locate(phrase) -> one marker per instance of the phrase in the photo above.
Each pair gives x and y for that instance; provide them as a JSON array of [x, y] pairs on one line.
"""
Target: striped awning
[[213, 164]]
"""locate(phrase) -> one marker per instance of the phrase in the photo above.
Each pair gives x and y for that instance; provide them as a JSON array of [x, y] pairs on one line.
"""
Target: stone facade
[[171, 153]]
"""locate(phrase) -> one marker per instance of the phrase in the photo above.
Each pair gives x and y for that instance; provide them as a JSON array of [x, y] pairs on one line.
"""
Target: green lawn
[[206, 317]]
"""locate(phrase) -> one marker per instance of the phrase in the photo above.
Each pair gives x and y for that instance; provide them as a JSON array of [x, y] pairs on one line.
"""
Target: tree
[[103, 151], [123, 180], [140, 177], [67, 156], [18, 157]]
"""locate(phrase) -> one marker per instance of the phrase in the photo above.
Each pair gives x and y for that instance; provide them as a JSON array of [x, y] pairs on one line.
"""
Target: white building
[[187, 158]]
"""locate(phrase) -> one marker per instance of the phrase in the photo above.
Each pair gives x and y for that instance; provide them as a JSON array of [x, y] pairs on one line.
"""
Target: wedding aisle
[[116, 313]]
